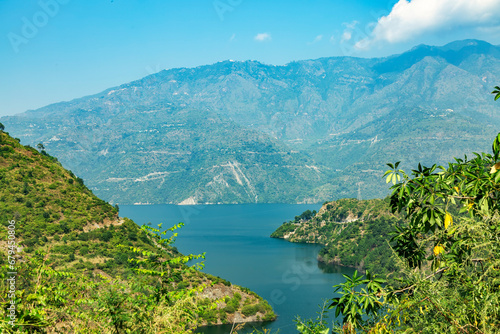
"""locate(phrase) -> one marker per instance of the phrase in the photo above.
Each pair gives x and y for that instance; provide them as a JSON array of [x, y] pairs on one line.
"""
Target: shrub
[[249, 310]]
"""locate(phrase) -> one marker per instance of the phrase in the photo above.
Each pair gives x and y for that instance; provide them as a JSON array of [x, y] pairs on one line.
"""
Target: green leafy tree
[[151, 301], [359, 297], [448, 251], [452, 240], [168, 270]]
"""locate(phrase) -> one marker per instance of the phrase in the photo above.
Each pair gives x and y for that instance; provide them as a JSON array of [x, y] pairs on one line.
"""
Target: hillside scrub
[[69, 264], [354, 233]]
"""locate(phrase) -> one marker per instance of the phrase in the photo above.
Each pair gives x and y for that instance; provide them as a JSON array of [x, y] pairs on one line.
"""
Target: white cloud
[[346, 36], [316, 39], [263, 37], [233, 37], [409, 19], [349, 28]]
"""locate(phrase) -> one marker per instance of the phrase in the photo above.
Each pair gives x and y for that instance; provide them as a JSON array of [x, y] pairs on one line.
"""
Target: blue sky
[[55, 50]]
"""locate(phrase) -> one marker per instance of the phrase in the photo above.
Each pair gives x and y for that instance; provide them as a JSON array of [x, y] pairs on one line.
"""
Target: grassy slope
[[77, 232]]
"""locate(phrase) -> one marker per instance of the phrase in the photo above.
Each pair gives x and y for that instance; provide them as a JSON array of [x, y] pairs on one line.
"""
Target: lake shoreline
[[238, 248]]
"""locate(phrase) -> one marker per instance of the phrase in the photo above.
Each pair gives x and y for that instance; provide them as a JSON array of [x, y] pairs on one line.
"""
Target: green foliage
[[453, 260], [496, 91], [167, 270], [33, 188], [449, 252], [359, 297], [283, 230], [308, 214], [82, 269], [154, 299], [314, 326], [355, 233], [249, 310]]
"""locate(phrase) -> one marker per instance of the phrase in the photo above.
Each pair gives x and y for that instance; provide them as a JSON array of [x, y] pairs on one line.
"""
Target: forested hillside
[[79, 267], [355, 233]]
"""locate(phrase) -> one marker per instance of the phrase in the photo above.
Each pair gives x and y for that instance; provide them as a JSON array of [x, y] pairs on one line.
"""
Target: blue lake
[[238, 248]]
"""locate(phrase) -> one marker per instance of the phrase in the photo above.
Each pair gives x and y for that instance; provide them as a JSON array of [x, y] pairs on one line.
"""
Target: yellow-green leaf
[[495, 167], [448, 220], [438, 249]]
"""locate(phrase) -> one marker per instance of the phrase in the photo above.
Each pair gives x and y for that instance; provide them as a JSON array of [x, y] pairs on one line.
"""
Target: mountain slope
[[159, 154], [76, 261], [354, 233], [320, 128]]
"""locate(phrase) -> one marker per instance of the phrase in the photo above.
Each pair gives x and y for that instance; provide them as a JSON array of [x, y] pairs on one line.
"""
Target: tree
[[164, 269], [449, 250], [2, 127]]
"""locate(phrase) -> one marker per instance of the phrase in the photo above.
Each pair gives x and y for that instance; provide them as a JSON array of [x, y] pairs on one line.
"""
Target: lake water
[[238, 248]]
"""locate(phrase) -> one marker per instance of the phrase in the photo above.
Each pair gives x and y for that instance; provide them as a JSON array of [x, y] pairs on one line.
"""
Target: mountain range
[[247, 132]]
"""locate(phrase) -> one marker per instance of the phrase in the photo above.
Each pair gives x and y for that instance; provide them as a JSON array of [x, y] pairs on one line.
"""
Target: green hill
[[355, 233], [81, 268]]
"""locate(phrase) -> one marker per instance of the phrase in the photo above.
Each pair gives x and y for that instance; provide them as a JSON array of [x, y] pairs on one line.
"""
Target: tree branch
[[413, 285]]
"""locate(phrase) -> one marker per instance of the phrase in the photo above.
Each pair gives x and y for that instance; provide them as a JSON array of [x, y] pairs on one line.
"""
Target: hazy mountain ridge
[[200, 157], [345, 115]]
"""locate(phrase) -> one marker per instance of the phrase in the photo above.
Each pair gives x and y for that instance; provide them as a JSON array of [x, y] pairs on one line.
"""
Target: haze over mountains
[[246, 132]]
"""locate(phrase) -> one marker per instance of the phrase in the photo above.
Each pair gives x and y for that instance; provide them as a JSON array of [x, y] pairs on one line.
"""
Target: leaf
[[448, 220], [438, 249], [496, 142], [451, 231], [494, 168], [497, 178]]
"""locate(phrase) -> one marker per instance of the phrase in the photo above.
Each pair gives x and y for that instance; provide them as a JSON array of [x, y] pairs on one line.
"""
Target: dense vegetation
[[450, 259], [355, 233], [80, 268], [451, 277]]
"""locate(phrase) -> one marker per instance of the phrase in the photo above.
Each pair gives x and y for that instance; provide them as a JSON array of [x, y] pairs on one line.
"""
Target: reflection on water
[[238, 248], [334, 269], [225, 329]]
